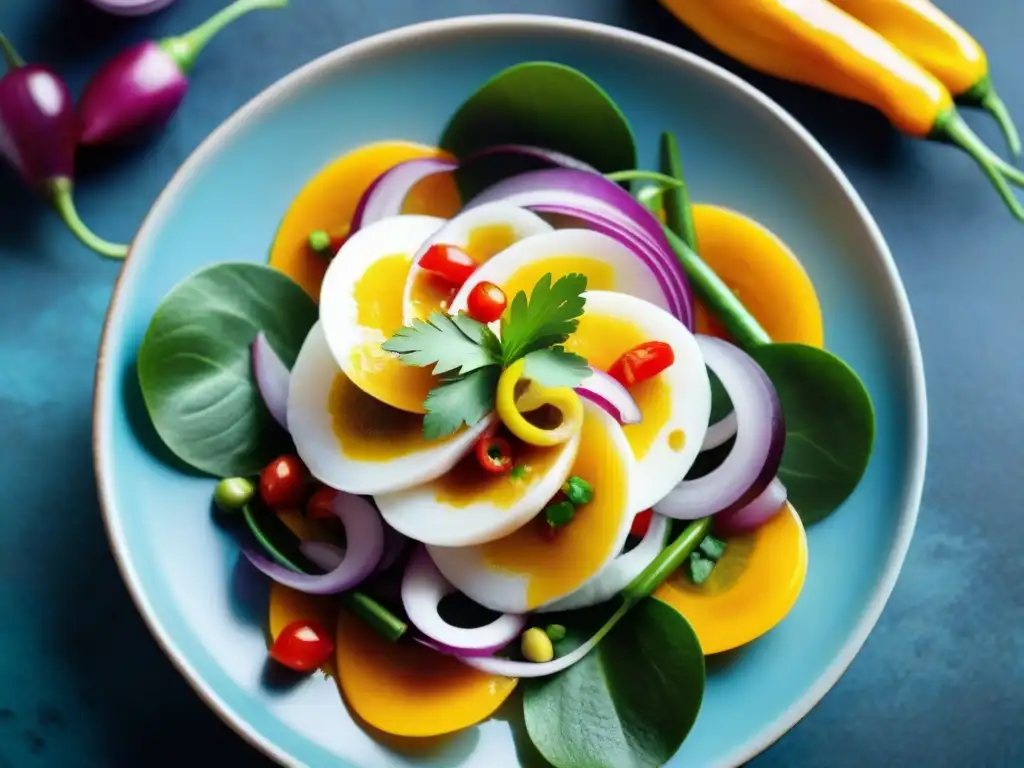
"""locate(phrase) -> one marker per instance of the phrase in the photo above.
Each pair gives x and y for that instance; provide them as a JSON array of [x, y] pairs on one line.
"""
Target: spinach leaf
[[195, 371], [629, 703], [830, 425], [542, 104]]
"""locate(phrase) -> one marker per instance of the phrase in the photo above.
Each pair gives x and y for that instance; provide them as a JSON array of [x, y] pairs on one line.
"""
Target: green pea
[[536, 646], [233, 493], [578, 491], [555, 632], [320, 241], [559, 513]]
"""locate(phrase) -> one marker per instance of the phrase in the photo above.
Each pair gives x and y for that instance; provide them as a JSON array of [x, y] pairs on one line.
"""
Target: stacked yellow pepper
[[905, 58]]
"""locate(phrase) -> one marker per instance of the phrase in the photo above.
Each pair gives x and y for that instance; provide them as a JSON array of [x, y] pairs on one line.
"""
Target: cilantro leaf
[[463, 400], [554, 367], [479, 333], [439, 342], [548, 318]]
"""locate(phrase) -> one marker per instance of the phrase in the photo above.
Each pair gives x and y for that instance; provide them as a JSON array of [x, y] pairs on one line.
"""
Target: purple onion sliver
[[272, 379], [423, 587], [364, 531], [384, 198], [323, 554], [495, 665], [609, 394], [551, 156], [760, 438], [755, 514]]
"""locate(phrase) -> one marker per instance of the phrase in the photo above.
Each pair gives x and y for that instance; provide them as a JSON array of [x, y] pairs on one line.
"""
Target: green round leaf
[[195, 369], [544, 105], [830, 425], [629, 703]]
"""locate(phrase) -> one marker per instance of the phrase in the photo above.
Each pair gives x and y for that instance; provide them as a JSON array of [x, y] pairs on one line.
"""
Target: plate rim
[[411, 35]]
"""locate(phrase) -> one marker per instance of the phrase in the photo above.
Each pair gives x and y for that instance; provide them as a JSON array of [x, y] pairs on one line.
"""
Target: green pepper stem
[[59, 192], [678, 213], [657, 178], [11, 56], [387, 625], [950, 128], [744, 328], [185, 49], [667, 561], [983, 96]]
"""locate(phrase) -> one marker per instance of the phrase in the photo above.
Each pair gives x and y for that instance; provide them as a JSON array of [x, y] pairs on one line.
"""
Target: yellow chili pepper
[[940, 45], [510, 406], [814, 43]]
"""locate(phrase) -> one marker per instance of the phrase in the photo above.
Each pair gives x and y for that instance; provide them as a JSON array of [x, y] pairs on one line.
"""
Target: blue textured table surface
[[82, 682]]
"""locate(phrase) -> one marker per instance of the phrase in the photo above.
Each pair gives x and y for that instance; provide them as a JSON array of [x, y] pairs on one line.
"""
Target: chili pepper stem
[[678, 213], [667, 561], [59, 193], [185, 49], [11, 56], [661, 179], [983, 96], [386, 624], [950, 128]]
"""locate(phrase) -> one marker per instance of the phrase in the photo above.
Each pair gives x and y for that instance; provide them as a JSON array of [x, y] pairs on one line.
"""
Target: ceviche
[[513, 416]]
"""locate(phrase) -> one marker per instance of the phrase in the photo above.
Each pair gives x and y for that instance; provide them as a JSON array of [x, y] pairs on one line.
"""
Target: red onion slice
[[329, 556], [423, 587], [384, 198], [272, 378], [589, 191], [537, 153], [364, 531], [760, 437], [615, 576], [758, 512], [609, 394], [720, 432]]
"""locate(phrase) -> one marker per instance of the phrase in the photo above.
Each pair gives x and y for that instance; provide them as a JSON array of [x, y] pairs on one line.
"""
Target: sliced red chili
[[641, 523], [450, 262], [642, 362], [494, 454], [321, 504], [283, 483], [486, 302]]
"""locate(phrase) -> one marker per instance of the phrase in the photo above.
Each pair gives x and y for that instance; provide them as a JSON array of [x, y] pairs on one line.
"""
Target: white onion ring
[[614, 577], [720, 433], [272, 378], [384, 198], [423, 587], [364, 531], [760, 438], [607, 392]]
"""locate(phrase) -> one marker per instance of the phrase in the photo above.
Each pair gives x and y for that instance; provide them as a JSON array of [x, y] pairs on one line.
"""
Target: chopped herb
[[518, 472], [700, 568], [559, 513], [578, 491], [555, 631], [712, 548], [469, 358]]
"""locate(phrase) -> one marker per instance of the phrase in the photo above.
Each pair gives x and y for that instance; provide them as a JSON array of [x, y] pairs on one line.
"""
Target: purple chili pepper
[[38, 136], [143, 86]]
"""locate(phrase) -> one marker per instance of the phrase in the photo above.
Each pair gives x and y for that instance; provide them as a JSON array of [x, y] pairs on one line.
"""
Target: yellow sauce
[[430, 292], [602, 339], [556, 563], [676, 440], [600, 275], [469, 483], [378, 296], [329, 199], [762, 272], [368, 430]]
